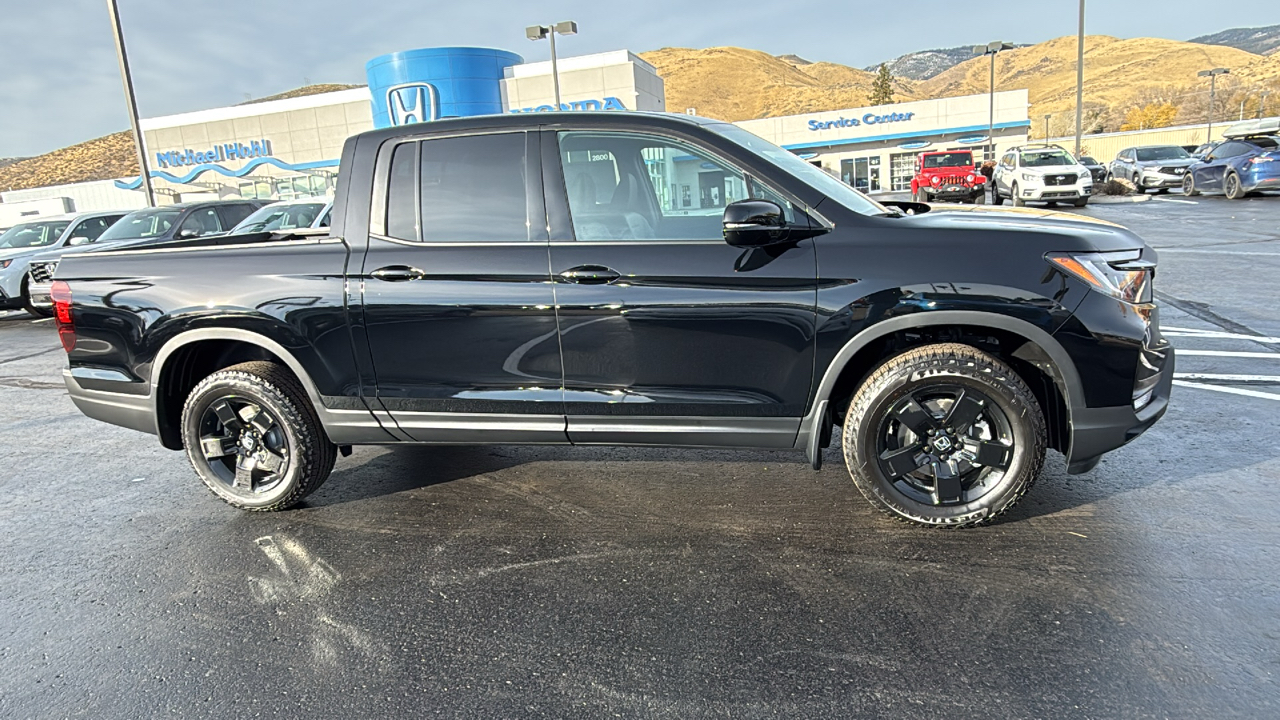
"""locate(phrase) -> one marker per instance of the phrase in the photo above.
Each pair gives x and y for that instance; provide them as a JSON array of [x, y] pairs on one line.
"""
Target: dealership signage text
[[609, 103], [218, 153], [868, 119]]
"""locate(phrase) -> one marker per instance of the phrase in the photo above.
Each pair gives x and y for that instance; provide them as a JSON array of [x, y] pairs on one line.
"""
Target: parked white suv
[[1041, 173]]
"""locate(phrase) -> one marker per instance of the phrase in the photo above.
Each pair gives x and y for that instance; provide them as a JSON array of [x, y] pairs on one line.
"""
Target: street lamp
[[1046, 127], [1213, 83], [549, 32], [127, 79], [991, 49]]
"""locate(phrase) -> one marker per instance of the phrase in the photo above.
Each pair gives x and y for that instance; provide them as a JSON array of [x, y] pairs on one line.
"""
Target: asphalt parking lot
[[569, 582]]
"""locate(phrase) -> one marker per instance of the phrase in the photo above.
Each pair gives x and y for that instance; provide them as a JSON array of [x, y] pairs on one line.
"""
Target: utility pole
[[127, 79], [1213, 80], [991, 49], [1080, 79]]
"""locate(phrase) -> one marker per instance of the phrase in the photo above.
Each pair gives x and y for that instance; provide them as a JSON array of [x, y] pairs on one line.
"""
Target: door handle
[[398, 273], [590, 275]]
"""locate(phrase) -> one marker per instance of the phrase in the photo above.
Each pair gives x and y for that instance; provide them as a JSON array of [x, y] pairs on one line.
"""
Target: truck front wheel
[[945, 436], [254, 439]]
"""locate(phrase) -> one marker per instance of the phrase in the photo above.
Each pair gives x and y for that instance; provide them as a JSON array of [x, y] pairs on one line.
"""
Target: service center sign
[[867, 119]]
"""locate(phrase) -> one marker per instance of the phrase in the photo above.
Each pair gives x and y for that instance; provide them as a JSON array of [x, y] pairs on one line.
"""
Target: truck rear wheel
[[254, 439], [944, 436]]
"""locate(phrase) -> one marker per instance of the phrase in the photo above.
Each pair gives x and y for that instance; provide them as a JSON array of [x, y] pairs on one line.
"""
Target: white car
[[20, 243], [287, 215], [1041, 173]]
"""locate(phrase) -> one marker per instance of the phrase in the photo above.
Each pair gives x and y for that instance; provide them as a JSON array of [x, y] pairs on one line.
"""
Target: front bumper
[[1055, 192], [39, 294], [136, 412], [1095, 431], [1162, 180], [954, 192]]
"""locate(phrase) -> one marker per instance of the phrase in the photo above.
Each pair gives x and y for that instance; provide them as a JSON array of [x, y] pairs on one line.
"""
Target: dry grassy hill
[[1118, 74], [731, 83]]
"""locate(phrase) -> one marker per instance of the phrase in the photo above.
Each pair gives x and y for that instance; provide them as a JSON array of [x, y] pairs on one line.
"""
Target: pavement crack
[[24, 357], [29, 384]]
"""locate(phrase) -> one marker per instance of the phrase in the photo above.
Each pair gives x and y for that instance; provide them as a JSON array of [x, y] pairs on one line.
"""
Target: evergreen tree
[[882, 87]]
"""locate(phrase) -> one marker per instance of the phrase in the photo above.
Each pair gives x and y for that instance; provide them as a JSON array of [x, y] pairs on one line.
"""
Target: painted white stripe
[[1207, 251], [1216, 335], [1229, 353], [48, 319], [1228, 390], [1180, 202], [1227, 377]]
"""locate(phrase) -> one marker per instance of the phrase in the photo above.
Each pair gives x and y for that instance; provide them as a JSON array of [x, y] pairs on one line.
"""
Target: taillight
[[60, 294]]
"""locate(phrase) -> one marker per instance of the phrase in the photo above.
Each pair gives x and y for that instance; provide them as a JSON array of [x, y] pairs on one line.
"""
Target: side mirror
[[187, 234], [78, 240], [754, 223]]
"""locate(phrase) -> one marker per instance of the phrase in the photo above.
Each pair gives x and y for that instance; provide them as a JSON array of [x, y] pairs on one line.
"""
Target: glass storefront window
[[902, 167]]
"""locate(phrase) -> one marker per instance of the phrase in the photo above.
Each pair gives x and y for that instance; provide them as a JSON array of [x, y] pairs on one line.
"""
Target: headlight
[[1122, 275], [968, 178], [1029, 176], [5, 263], [936, 180]]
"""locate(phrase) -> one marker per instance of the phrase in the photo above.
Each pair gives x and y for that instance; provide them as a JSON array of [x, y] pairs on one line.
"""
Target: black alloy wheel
[[1231, 186], [253, 437], [945, 436], [244, 445]]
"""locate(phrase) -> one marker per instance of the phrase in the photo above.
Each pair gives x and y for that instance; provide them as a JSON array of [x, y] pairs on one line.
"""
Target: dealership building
[[290, 148]]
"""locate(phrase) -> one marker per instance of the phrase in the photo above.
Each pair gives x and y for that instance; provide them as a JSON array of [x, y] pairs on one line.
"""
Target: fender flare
[[1062, 369], [343, 426]]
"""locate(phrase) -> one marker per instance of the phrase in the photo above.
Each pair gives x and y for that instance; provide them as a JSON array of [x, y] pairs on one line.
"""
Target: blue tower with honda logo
[[432, 83]]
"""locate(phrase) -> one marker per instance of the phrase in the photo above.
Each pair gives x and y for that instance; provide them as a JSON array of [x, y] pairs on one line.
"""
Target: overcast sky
[[60, 83]]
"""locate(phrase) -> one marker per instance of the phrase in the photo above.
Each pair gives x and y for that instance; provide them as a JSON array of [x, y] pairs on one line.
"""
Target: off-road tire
[[311, 454], [946, 364]]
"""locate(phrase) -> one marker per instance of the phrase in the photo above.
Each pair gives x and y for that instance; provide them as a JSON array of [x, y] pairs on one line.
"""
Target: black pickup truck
[[626, 279]]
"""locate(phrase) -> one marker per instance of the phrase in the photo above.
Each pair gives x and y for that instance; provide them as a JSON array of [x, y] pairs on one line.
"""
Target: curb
[[1118, 199]]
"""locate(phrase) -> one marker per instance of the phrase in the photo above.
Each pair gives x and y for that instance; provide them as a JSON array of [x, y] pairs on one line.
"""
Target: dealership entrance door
[[862, 173]]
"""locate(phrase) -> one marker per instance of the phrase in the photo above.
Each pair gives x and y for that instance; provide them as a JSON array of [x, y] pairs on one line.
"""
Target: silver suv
[[58, 233], [1152, 166]]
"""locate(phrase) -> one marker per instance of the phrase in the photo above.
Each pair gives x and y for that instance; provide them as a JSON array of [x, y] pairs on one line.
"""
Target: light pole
[[1262, 103], [991, 49], [1213, 87], [127, 79], [549, 32], [1079, 78], [1046, 127]]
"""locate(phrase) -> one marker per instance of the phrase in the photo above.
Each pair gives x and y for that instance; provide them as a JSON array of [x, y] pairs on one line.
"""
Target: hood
[[1098, 234], [1176, 162], [8, 253]]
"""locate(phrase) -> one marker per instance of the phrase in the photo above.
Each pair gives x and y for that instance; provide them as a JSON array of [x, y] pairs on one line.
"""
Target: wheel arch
[[1029, 348], [193, 355]]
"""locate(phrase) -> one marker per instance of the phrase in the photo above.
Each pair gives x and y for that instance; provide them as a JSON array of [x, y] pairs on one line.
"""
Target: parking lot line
[[1206, 251], [1230, 377], [1180, 202], [1228, 390], [1229, 353], [1215, 335]]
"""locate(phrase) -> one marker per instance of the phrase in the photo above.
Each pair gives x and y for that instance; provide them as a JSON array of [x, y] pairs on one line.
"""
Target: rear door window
[[232, 214], [201, 222]]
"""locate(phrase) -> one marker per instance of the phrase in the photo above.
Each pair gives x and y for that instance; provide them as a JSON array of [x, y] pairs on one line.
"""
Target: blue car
[[1248, 160]]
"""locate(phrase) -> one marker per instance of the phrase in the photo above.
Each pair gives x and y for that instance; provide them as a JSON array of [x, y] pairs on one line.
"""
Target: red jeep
[[948, 176]]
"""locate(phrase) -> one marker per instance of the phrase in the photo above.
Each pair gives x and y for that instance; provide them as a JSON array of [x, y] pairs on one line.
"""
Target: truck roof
[[524, 121]]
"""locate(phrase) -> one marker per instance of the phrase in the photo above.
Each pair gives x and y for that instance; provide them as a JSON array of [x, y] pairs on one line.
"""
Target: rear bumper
[[135, 412], [1261, 182]]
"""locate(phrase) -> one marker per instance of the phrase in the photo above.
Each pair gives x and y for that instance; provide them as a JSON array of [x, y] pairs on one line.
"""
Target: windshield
[[280, 217], [1050, 157], [34, 234], [1086, 160], [788, 162], [958, 159], [141, 224], [1170, 152]]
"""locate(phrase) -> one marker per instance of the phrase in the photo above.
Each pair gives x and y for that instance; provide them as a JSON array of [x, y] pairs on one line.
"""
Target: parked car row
[[30, 251], [1246, 161]]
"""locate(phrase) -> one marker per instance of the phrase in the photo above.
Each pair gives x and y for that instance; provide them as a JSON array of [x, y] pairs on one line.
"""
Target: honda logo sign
[[412, 103]]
